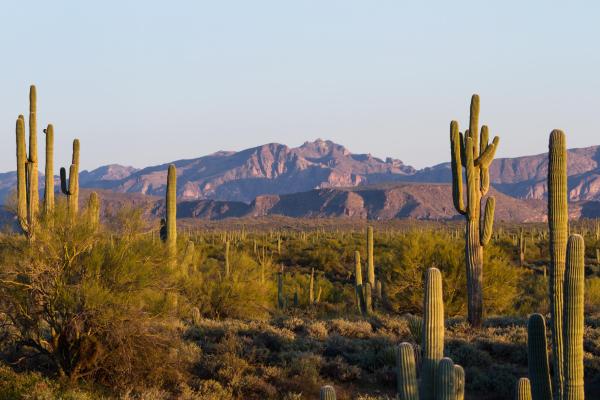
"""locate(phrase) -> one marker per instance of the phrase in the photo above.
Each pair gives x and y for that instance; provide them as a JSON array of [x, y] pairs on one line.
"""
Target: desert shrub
[[83, 304], [592, 294]]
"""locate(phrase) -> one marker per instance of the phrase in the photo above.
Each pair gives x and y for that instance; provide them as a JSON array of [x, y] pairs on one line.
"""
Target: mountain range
[[322, 178]]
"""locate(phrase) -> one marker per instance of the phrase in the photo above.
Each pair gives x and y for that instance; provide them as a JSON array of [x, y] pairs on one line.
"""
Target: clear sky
[[147, 82]]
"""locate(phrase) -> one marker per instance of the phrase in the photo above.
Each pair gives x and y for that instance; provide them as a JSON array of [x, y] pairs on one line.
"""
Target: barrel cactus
[[327, 393]]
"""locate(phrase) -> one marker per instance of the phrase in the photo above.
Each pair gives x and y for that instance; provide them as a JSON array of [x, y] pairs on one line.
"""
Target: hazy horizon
[[145, 83]]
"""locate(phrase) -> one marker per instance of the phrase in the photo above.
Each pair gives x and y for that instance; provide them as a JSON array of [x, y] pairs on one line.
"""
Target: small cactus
[[407, 373], [537, 358], [433, 332], [524, 390], [71, 188], [327, 393], [445, 380]]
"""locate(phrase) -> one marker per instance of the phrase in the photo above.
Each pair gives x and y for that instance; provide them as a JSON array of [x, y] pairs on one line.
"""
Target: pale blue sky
[[146, 82]]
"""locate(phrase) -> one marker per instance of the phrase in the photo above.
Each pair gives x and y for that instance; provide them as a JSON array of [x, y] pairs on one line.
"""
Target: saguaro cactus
[[27, 169], [573, 319], [171, 220], [459, 382], [445, 382], [407, 376], [71, 188], [473, 151], [523, 391], [49, 172], [327, 393], [537, 358], [227, 266], [93, 210], [358, 283], [433, 332], [370, 261], [280, 299], [558, 221]]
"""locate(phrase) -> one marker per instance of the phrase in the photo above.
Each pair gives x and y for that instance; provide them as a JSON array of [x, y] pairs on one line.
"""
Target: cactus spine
[[523, 389], [370, 261], [573, 319], [407, 376], [558, 224], [474, 152], [71, 189], [49, 172], [327, 393], [171, 220], [537, 358], [445, 380], [433, 332]]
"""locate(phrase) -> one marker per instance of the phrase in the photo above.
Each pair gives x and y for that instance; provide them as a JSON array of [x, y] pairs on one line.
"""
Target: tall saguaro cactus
[[49, 172], [370, 261], [27, 169], [573, 319], [71, 188], [433, 332], [473, 152], [171, 220], [358, 282], [558, 221]]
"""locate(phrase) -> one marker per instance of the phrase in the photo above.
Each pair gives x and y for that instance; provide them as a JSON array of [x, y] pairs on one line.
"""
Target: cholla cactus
[[473, 151]]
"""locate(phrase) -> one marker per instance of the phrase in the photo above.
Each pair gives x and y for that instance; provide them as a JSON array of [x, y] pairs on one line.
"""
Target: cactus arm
[[462, 137], [407, 373], [472, 190], [484, 139], [537, 358], [456, 165], [474, 123], [74, 189], [573, 327], [30, 195], [459, 382], [485, 159], [63, 181], [488, 221], [21, 173]]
